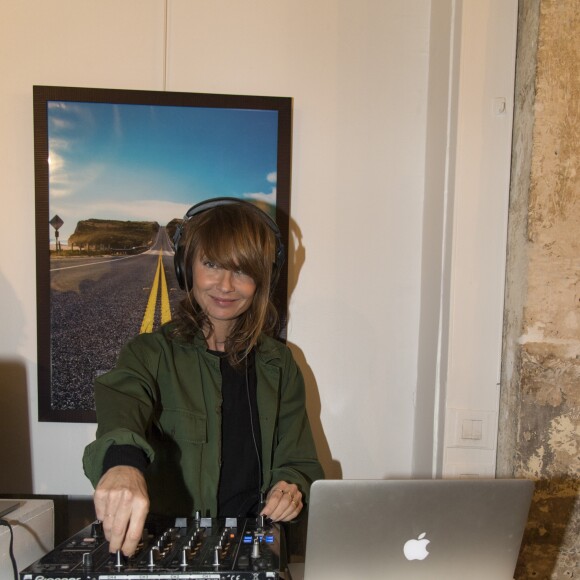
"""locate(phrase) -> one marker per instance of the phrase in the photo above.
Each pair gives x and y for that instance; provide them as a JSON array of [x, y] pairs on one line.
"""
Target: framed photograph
[[115, 172]]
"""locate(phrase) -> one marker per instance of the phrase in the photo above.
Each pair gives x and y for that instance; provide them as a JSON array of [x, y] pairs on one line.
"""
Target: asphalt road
[[97, 305]]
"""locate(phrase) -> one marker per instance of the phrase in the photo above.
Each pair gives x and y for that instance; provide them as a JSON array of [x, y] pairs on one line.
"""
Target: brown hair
[[236, 237]]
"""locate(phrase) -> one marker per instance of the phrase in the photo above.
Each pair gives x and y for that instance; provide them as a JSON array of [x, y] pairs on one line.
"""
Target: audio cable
[[11, 548], [260, 494]]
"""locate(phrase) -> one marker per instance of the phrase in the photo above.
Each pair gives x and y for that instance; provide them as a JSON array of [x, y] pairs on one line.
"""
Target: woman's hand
[[122, 504], [283, 502]]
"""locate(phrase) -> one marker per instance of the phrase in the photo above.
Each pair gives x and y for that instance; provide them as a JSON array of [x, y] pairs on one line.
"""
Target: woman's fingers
[[122, 504], [283, 503]]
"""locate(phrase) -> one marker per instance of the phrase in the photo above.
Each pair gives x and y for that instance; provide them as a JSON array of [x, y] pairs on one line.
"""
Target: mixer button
[[244, 561]]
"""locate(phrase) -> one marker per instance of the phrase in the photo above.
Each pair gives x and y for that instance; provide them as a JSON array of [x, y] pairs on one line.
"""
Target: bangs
[[229, 255], [244, 246]]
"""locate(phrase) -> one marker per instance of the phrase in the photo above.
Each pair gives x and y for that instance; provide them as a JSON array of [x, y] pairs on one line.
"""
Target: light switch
[[472, 429]]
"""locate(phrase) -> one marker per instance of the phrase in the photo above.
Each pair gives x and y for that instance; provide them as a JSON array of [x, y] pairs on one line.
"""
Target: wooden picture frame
[[113, 169]]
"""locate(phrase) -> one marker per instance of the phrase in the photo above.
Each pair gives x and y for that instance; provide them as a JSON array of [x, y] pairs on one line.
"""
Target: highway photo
[[97, 305]]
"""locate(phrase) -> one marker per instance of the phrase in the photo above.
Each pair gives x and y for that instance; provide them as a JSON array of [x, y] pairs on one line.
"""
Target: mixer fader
[[197, 548]]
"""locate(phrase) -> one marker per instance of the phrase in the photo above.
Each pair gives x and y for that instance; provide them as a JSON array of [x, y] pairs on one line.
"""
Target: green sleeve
[[124, 400], [295, 458]]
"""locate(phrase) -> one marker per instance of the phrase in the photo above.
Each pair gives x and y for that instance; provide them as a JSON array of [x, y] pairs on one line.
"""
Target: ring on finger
[[294, 502]]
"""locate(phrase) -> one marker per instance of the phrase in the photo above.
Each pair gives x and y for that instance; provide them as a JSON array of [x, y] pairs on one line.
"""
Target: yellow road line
[[149, 317], [165, 309]]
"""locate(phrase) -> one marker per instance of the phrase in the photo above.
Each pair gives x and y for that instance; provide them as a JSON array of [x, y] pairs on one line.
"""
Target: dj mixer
[[204, 548]]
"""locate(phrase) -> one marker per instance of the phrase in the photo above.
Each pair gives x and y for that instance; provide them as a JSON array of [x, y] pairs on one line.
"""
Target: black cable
[[11, 550], [260, 494]]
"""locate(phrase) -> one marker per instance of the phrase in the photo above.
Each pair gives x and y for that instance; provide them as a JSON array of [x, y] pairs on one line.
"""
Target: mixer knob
[[256, 548], [216, 556], [153, 557], [87, 560], [185, 555], [118, 559], [97, 529]]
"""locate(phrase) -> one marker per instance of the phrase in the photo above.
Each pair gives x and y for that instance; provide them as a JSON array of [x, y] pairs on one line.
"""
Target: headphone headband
[[184, 274]]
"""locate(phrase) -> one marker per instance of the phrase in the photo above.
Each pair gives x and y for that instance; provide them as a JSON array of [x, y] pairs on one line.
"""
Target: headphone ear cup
[[180, 267], [278, 262]]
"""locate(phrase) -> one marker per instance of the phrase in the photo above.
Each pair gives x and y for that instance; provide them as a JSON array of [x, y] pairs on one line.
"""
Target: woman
[[209, 411]]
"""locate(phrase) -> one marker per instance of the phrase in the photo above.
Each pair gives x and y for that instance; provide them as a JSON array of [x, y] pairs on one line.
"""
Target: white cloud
[[65, 183], [269, 198]]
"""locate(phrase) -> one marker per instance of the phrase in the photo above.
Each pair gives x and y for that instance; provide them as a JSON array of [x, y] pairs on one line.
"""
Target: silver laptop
[[417, 529], [7, 506]]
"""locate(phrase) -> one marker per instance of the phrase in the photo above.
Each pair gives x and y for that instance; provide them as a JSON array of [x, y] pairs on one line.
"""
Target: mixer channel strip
[[230, 548]]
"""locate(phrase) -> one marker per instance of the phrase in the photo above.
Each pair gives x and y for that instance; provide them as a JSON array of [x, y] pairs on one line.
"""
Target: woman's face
[[222, 294]]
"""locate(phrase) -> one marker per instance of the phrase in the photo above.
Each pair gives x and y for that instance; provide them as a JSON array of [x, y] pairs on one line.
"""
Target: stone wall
[[540, 407]]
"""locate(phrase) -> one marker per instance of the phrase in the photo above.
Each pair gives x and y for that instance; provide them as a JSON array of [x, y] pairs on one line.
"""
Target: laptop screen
[[416, 529]]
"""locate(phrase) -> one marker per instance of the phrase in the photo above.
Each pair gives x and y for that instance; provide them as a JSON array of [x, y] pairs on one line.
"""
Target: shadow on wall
[[296, 256], [332, 468], [15, 449], [547, 542], [15, 443]]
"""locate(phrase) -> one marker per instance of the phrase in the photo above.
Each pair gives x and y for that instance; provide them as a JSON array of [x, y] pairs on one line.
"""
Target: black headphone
[[183, 274]]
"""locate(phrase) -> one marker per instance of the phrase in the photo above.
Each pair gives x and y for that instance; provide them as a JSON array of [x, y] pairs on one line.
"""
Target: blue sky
[[141, 162]]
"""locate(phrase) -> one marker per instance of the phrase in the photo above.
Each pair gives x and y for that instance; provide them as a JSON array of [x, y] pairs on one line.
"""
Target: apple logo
[[416, 549]]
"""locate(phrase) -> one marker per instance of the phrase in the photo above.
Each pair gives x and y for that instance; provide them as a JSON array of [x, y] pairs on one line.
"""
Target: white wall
[[65, 42], [471, 72], [477, 221], [359, 76]]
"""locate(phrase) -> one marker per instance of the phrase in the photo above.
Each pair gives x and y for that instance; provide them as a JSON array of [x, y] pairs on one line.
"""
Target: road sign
[[56, 222]]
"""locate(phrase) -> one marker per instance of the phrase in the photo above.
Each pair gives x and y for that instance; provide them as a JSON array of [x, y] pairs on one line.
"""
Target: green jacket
[[164, 396]]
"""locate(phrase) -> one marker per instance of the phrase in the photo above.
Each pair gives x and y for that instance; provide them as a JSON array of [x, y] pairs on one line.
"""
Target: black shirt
[[241, 470]]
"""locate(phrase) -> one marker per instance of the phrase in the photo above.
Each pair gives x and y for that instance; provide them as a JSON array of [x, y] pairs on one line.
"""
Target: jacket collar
[[268, 349]]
